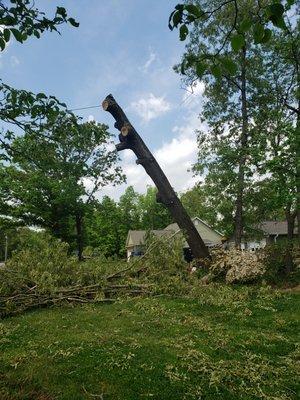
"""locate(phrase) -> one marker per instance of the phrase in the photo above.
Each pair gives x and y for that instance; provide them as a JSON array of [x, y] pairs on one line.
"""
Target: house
[[266, 232], [136, 239]]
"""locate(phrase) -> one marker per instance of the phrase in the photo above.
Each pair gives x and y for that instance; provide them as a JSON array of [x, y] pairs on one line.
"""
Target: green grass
[[223, 343]]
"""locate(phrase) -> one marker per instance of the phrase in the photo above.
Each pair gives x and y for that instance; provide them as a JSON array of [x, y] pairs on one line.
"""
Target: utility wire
[[84, 108], [188, 97]]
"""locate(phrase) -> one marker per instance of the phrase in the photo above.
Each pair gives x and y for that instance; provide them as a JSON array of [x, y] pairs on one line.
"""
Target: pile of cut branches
[[97, 293], [235, 266]]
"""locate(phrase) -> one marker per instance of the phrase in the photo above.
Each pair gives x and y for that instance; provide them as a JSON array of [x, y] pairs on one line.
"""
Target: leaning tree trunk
[[130, 139]]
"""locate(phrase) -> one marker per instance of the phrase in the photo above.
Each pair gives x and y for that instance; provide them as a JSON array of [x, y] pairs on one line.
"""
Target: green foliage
[[108, 225], [249, 91], [275, 262], [22, 19], [41, 260], [237, 42], [104, 228], [262, 16], [153, 215], [41, 264], [48, 174]]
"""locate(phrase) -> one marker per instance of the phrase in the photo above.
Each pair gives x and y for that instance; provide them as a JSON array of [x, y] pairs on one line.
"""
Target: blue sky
[[123, 47]]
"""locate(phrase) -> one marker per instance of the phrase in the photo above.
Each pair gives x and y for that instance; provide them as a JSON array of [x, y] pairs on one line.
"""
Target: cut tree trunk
[[130, 139]]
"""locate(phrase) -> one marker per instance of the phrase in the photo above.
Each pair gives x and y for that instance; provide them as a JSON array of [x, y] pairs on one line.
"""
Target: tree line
[[52, 164]]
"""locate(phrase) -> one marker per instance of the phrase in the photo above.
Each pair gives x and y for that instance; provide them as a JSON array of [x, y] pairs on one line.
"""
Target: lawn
[[223, 343]]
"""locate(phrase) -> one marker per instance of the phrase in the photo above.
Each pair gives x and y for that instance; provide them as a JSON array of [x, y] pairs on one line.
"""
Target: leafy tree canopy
[[21, 19], [256, 25]]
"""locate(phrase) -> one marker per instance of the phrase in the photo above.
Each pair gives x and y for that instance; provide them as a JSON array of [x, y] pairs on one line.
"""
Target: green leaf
[[258, 33], [183, 32], [245, 25], [274, 13], [2, 44], [40, 96], [8, 20], [17, 34], [267, 35], [276, 9], [200, 69], [237, 42], [61, 11], [179, 7], [216, 71], [36, 34], [6, 34], [193, 9], [229, 65], [73, 22], [176, 18], [278, 21], [182, 68]]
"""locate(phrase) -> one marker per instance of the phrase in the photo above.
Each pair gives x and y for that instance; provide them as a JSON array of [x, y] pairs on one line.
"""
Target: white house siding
[[251, 245]]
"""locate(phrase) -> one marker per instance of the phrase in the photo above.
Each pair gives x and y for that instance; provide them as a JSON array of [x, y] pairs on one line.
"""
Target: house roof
[[138, 237], [274, 227], [174, 227]]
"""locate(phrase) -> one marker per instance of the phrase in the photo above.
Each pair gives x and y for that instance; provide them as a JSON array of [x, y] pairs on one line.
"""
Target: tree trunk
[[79, 236], [290, 217], [239, 220], [129, 139], [298, 163], [295, 58]]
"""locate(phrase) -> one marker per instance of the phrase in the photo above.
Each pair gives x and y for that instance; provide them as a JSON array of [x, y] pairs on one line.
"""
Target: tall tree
[[52, 178], [207, 202], [105, 229], [224, 149], [129, 209], [224, 50]]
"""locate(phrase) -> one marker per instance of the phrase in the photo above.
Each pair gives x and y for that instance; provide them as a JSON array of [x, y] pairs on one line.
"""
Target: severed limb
[[130, 139]]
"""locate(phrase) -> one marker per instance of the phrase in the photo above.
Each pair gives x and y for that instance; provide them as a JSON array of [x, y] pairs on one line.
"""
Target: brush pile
[[235, 266], [34, 298], [42, 273]]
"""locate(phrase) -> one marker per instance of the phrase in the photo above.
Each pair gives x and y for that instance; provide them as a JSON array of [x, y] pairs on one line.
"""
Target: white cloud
[[91, 118], [175, 157], [150, 107], [151, 59], [14, 61]]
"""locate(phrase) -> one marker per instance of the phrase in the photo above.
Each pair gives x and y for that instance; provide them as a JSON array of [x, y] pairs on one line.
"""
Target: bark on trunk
[[79, 236], [290, 217], [298, 166], [239, 220], [129, 139]]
